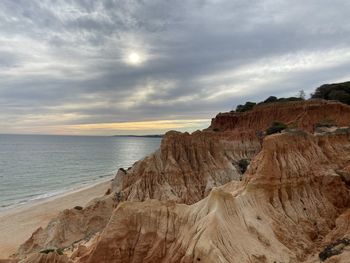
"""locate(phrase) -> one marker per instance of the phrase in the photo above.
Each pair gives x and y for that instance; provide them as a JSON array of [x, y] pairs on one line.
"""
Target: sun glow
[[134, 58]]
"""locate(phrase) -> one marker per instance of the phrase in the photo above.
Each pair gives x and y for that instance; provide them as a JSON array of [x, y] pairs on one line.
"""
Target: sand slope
[[17, 225]]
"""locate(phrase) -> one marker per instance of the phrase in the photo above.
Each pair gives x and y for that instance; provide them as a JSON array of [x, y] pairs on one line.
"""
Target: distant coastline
[[142, 136]]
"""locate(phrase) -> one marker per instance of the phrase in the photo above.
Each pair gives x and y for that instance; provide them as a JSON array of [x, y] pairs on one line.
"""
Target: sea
[[34, 167]]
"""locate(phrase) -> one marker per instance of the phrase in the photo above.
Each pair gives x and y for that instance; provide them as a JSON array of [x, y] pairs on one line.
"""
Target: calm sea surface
[[39, 166]]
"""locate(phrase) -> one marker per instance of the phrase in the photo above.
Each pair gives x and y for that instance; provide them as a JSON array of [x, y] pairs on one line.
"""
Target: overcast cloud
[[64, 64]]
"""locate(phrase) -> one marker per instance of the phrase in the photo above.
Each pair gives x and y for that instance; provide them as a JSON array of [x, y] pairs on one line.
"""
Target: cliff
[[189, 202], [186, 167], [274, 215], [301, 114]]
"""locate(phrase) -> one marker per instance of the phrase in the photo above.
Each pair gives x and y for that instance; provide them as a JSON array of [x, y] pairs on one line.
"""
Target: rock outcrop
[[70, 227], [188, 202], [186, 167], [302, 114], [287, 204]]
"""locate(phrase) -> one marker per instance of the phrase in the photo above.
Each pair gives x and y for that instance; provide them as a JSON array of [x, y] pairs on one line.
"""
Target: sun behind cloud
[[134, 58]]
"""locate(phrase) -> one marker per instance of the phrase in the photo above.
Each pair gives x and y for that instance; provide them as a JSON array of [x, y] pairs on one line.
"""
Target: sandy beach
[[17, 224]]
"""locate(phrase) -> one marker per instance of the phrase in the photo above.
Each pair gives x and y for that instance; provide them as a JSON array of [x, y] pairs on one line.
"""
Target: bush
[[340, 95], [246, 107], [276, 127], [336, 91], [270, 99], [250, 105], [290, 99], [243, 165], [273, 99]]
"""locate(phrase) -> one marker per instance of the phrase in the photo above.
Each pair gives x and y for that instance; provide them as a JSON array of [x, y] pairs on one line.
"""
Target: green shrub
[[290, 99], [276, 127], [273, 99], [270, 99], [246, 107], [336, 91]]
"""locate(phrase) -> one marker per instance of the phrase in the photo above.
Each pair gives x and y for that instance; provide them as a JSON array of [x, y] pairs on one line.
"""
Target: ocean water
[[33, 167]]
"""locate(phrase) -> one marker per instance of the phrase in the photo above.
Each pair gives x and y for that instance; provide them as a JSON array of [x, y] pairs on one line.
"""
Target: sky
[[147, 66]]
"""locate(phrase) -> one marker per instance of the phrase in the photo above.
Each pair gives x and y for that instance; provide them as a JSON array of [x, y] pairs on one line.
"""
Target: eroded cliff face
[[291, 203], [301, 114], [276, 214], [71, 226], [186, 167]]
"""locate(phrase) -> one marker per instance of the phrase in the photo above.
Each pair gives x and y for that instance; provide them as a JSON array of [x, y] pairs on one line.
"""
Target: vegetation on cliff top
[[272, 99], [337, 91]]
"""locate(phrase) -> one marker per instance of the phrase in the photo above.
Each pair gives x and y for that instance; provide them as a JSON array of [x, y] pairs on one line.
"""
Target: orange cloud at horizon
[[137, 127], [141, 125]]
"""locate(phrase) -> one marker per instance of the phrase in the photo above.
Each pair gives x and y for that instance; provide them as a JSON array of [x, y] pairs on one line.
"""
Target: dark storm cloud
[[66, 61]]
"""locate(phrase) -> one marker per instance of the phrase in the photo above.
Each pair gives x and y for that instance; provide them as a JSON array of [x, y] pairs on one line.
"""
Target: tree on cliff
[[301, 94], [337, 91]]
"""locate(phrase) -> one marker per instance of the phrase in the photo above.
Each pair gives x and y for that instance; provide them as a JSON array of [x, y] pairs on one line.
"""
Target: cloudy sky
[[143, 67]]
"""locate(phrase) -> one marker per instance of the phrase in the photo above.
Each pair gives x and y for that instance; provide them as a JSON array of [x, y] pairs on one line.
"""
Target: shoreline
[[18, 223], [51, 196]]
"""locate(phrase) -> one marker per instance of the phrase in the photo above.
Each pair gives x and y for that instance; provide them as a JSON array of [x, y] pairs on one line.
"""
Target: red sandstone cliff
[[282, 212], [302, 114], [186, 167], [292, 200]]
